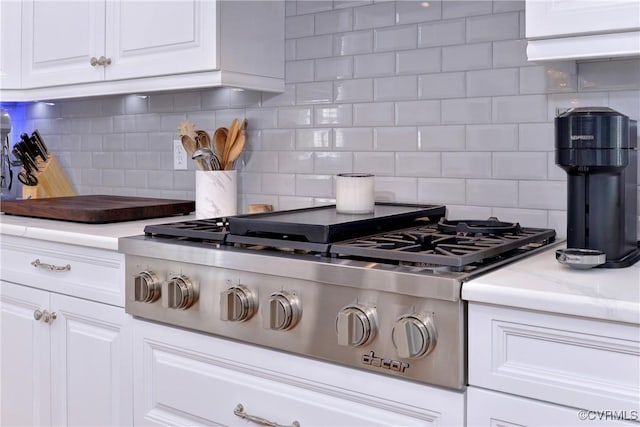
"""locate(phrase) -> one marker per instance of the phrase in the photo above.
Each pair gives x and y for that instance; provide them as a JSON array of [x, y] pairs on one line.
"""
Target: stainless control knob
[[356, 325], [282, 311], [146, 287], [180, 292], [414, 336], [237, 304]]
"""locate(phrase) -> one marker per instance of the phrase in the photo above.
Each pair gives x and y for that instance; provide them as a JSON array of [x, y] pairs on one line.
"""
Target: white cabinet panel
[[580, 29], [58, 39], [157, 38], [24, 357], [89, 353], [184, 378], [10, 13]]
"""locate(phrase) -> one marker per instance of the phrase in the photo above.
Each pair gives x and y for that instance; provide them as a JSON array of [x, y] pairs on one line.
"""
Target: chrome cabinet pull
[[37, 315], [49, 317], [239, 412], [102, 61], [50, 267]]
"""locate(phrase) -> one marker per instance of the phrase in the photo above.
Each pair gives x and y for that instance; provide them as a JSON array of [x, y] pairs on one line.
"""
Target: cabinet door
[[570, 17], [91, 364], [10, 44], [59, 39], [24, 357], [145, 38]]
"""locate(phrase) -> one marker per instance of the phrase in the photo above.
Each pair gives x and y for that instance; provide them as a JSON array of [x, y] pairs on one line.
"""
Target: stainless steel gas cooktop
[[378, 292]]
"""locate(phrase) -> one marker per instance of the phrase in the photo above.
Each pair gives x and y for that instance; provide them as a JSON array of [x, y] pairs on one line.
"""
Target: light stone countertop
[[101, 236], [541, 283]]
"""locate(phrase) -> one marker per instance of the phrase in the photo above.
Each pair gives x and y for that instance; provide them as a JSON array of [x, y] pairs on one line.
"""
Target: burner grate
[[212, 229], [429, 245]]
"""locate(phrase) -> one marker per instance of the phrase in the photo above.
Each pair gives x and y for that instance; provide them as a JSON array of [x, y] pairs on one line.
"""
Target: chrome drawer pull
[[239, 412], [50, 267]]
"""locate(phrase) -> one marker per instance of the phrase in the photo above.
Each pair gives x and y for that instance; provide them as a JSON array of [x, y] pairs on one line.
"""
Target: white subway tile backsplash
[[286, 98], [418, 61], [504, 81], [466, 111], [549, 195], [520, 165], [240, 98], [374, 65], [424, 164], [279, 183], [312, 6], [609, 75], [492, 137], [441, 85], [503, 26], [337, 21], [161, 103], [525, 217], [314, 185], [441, 138], [294, 117], [486, 192], [187, 101], [626, 102], [573, 100], [443, 33], [149, 161], [261, 161], [376, 15], [359, 90], [373, 114], [314, 93], [295, 162], [441, 191], [396, 190], [335, 115], [395, 38], [554, 172], [466, 165], [292, 202], [519, 109], [277, 139], [314, 47], [466, 57], [395, 139], [313, 139], [260, 118], [353, 139], [415, 11], [561, 77], [215, 99], [376, 163], [299, 26], [353, 43], [558, 221], [459, 8], [466, 212], [536, 137], [508, 5], [395, 88], [123, 160], [334, 68], [410, 113], [510, 53], [332, 162]]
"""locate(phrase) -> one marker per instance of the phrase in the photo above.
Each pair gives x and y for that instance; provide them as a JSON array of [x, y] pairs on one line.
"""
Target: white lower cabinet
[[184, 378], [529, 368], [70, 367]]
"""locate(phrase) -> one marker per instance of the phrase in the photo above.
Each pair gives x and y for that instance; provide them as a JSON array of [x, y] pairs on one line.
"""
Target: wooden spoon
[[189, 145], [219, 141], [235, 151], [231, 137]]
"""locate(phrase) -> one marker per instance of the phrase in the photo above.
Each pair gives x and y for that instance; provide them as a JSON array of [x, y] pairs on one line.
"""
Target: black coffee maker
[[598, 149]]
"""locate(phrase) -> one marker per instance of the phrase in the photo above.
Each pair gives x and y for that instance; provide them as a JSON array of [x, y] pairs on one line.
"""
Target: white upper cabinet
[[91, 47], [10, 12], [581, 29]]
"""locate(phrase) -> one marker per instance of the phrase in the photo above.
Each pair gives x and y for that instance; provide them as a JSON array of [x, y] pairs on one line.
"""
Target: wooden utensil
[[219, 141], [189, 145], [187, 128], [235, 150], [231, 137]]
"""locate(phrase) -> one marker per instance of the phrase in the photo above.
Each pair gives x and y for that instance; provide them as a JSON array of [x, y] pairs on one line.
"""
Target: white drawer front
[[566, 360], [93, 274]]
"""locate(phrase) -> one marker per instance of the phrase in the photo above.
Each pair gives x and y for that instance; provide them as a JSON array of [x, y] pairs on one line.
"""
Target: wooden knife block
[[52, 182]]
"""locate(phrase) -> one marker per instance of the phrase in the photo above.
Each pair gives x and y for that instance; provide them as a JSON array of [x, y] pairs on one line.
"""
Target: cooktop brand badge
[[393, 365]]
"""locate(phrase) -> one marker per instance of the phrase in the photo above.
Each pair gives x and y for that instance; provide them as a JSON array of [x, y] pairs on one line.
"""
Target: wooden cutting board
[[97, 209]]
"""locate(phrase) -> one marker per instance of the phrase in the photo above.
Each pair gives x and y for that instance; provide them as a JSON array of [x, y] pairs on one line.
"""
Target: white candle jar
[[355, 193]]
